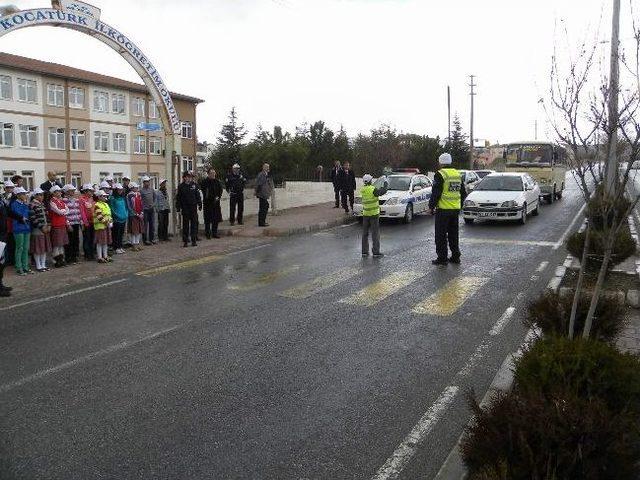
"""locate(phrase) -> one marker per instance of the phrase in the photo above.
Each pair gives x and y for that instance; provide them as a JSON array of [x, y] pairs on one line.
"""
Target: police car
[[409, 193]]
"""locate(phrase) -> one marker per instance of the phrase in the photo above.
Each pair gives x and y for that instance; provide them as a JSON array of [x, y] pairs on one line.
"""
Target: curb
[[286, 232]]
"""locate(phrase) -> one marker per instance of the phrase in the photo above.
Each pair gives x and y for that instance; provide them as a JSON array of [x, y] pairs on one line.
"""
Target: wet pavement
[[295, 359]]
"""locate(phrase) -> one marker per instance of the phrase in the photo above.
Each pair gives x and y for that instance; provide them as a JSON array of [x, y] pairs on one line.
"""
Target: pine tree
[[230, 142], [457, 145]]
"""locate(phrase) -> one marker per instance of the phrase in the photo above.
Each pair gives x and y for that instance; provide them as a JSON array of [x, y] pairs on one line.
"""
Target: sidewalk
[[287, 222]]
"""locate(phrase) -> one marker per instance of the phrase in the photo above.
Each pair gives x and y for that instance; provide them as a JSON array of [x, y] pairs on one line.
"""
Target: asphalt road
[[280, 362]]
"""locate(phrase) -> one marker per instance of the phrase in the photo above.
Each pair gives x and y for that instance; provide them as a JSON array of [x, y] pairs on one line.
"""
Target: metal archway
[[85, 18]]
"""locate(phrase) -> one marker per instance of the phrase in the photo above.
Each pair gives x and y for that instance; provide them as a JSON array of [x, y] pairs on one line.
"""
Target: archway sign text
[[86, 18]]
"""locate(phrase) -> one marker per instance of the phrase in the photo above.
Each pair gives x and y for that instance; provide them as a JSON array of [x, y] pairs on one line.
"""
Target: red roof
[[18, 62]]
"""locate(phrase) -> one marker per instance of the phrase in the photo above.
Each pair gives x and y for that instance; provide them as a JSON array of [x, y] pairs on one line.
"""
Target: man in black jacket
[[235, 188], [334, 179], [211, 193], [347, 185], [188, 201]]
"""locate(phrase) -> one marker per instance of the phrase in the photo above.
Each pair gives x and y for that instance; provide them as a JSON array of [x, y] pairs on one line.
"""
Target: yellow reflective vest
[[450, 198], [101, 215], [370, 203]]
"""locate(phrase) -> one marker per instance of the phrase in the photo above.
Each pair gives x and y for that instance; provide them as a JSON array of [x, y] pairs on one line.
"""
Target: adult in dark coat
[[211, 193], [337, 168], [235, 188], [188, 201], [347, 185]]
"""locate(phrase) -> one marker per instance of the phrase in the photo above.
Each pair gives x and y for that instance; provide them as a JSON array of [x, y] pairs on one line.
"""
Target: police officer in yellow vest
[[447, 195], [371, 215]]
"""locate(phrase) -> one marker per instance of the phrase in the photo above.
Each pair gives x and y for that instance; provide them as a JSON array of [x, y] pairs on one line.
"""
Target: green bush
[[551, 313], [557, 367], [623, 247], [602, 211], [519, 437]]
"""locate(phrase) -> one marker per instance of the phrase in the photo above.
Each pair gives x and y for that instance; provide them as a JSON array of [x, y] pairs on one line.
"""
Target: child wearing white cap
[[40, 230], [21, 230], [87, 205], [102, 223], [136, 216], [58, 212], [74, 218]]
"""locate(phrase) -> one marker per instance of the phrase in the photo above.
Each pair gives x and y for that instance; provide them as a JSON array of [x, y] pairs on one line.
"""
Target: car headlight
[[357, 200], [510, 204], [392, 201], [469, 203]]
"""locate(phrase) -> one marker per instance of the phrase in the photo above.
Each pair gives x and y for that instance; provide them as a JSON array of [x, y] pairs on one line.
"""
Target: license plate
[[487, 214]]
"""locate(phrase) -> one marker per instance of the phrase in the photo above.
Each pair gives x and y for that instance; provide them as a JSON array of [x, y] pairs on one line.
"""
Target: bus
[[544, 161]]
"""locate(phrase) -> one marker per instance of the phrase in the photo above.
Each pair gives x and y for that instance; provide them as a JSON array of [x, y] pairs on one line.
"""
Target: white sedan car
[[407, 196], [503, 196]]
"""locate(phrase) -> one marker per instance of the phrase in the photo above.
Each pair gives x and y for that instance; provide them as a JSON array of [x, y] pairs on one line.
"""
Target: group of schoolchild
[[56, 219]]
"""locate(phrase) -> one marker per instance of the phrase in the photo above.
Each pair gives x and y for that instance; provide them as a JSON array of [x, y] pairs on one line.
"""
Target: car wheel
[[523, 220], [536, 212], [468, 221], [408, 214], [552, 197]]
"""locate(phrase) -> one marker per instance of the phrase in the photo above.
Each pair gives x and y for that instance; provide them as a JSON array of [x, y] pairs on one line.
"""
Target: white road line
[[62, 295], [64, 366], [502, 322], [542, 267], [473, 359], [257, 247], [560, 242], [407, 449]]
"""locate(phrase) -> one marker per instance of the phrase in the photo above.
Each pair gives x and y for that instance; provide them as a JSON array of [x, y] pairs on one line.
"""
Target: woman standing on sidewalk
[[72, 249], [21, 230], [102, 223], [40, 231], [86, 214], [164, 208], [58, 212], [136, 216]]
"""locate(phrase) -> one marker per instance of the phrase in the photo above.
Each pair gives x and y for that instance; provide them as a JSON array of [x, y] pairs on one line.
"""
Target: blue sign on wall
[[149, 127]]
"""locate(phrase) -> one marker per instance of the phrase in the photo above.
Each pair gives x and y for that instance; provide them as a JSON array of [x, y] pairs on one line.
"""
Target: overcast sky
[[352, 62]]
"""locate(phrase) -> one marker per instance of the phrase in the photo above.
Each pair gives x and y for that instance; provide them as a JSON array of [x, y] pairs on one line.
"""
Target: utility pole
[[472, 94], [448, 114], [611, 173], [535, 127]]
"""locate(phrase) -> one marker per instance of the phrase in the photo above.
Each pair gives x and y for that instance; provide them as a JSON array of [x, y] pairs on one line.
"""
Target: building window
[[100, 101], [155, 145], [103, 175], [187, 164], [139, 144], [78, 140], [138, 107], [55, 95], [187, 130], [153, 109], [56, 138], [117, 177], [119, 142], [6, 90], [76, 97], [101, 141], [28, 181], [27, 90], [6, 137], [117, 103], [7, 174], [76, 180], [28, 136]]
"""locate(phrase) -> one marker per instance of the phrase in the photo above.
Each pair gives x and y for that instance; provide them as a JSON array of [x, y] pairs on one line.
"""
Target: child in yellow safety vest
[[102, 224]]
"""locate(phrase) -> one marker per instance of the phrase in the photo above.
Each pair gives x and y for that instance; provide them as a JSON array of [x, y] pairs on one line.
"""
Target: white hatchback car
[[408, 195], [503, 196]]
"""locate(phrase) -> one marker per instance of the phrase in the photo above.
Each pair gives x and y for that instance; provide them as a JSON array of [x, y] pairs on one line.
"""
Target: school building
[[82, 125]]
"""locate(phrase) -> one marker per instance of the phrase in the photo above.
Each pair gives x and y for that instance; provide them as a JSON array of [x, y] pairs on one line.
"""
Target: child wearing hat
[[102, 223], [118, 205], [40, 230], [58, 212], [7, 198], [136, 216], [21, 230], [86, 216], [74, 219]]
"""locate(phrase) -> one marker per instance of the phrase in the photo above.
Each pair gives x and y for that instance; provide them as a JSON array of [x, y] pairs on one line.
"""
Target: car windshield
[[501, 184], [399, 183]]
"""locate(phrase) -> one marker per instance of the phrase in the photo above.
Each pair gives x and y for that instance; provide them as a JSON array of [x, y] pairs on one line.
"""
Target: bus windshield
[[530, 153]]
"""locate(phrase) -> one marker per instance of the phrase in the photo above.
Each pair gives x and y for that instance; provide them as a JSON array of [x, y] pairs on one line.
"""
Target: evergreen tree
[[229, 142], [341, 147], [457, 145]]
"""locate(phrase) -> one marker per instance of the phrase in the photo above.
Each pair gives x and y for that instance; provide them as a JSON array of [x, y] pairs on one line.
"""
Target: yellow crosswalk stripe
[[382, 289], [178, 266], [321, 283], [451, 297], [263, 280]]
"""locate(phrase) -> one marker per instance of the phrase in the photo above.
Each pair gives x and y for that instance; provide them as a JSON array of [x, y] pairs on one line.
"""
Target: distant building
[[203, 152], [82, 125]]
